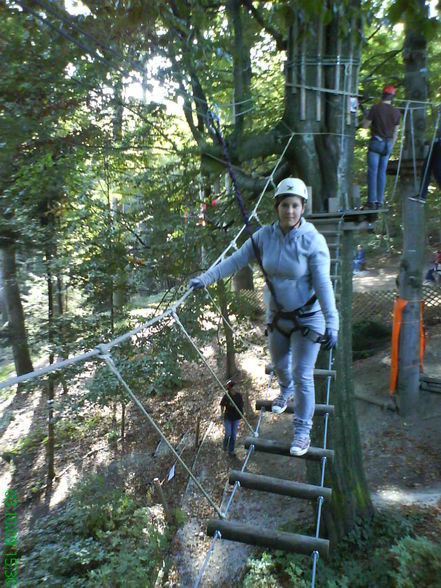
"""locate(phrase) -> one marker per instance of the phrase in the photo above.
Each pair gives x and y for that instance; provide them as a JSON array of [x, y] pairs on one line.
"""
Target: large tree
[[284, 68], [410, 276]]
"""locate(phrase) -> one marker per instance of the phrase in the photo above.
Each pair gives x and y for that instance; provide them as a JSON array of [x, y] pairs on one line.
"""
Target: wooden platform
[[430, 384], [355, 216], [352, 220]]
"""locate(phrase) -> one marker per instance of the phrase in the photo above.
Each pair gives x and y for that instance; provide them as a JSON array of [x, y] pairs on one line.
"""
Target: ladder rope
[[315, 554]]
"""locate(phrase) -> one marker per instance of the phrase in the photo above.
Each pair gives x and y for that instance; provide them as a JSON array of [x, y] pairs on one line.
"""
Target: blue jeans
[[358, 265], [230, 434], [293, 361], [377, 159]]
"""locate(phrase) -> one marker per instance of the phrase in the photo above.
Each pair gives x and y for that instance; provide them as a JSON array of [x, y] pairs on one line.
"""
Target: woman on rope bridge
[[299, 300]]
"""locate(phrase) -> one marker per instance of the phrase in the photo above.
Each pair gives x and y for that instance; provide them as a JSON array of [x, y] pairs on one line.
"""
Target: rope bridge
[[314, 546]]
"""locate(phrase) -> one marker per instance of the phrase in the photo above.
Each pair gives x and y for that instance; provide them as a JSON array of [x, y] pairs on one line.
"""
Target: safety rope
[[403, 127], [214, 122]]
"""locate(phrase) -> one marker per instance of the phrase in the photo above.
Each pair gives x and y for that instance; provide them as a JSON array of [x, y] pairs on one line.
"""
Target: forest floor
[[401, 456]]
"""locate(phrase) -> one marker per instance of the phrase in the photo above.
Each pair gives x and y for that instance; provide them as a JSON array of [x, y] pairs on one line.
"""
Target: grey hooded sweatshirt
[[297, 264]]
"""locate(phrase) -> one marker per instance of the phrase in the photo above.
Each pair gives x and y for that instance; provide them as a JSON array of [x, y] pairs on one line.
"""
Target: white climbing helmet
[[292, 187]]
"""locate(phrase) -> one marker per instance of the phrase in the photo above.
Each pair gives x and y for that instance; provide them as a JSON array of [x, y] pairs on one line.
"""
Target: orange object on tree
[[400, 303]]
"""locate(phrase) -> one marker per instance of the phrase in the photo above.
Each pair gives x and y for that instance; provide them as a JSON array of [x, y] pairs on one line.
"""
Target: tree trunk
[[410, 276], [231, 354], [241, 65], [123, 422], [50, 447], [350, 498], [243, 280], [17, 329], [322, 153], [3, 311]]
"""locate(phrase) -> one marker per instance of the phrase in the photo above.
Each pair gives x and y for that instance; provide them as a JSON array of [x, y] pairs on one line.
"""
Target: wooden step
[[317, 372], [319, 408], [430, 384], [324, 373], [253, 535], [281, 448], [279, 486]]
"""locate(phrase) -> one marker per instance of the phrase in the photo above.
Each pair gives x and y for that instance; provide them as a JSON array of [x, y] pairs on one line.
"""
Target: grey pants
[[293, 360]]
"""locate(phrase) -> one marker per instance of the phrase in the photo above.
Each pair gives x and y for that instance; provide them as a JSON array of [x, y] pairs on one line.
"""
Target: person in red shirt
[[384, 121]]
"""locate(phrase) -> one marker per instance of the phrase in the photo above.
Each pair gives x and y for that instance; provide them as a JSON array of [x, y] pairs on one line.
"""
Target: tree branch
[[280, 42]]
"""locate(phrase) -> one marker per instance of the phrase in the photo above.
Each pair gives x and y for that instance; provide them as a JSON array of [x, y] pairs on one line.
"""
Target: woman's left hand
[[330, 339]]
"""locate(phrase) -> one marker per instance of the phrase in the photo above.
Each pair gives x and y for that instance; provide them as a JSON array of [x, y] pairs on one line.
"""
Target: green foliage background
[[117, 185]]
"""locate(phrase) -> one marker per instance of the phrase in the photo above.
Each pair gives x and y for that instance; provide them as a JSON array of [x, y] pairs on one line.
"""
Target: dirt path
[[266, 510]]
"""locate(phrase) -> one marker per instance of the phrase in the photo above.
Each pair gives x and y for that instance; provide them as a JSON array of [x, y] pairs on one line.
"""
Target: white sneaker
[[279, 404], [300, 445]]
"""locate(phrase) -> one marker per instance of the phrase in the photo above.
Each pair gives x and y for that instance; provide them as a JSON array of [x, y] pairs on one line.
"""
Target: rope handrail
[[93, 353]]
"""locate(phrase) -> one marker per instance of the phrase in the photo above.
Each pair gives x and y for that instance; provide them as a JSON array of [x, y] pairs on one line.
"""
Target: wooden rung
[[279, 486], [291, 542], [424, 378], [280, 448], [319, 408], [324, 373], [430, 387], [317, 372]]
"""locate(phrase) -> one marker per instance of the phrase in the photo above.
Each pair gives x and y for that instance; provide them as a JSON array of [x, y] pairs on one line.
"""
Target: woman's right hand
[[196, 283]]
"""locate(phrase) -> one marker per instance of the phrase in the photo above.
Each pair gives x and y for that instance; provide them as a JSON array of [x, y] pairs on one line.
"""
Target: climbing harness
[[293, 315]]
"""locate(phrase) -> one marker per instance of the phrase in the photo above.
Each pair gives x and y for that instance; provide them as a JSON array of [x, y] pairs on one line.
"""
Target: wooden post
[[294, 57], [161, 495], [319, 71], [303, 79]]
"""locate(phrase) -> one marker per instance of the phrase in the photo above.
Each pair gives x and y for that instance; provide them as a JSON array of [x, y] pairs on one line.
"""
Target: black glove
[[330, 339], [196, 283]]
